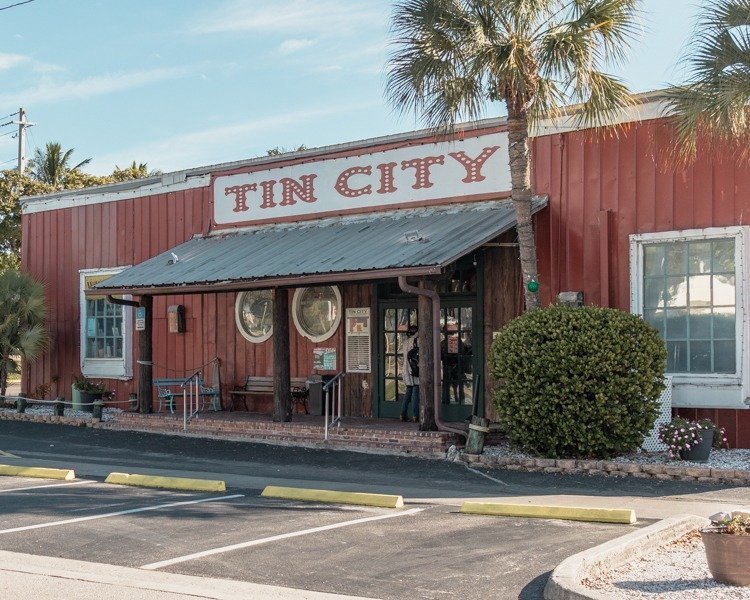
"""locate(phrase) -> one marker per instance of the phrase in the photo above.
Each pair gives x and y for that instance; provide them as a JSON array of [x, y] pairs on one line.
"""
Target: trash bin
[[315, 401]]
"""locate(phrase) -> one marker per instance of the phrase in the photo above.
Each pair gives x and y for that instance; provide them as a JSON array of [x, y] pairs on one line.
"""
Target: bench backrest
[[265, 384], [167, 386]]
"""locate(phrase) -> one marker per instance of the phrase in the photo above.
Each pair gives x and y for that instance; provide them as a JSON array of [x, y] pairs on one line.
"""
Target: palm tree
[[51, 165], [453, 57], [133, 171], [713, 104], [22, 314]]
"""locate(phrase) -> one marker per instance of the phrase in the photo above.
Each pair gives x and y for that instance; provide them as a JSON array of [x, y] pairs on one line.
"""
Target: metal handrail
[[190, 383], [327, 389]]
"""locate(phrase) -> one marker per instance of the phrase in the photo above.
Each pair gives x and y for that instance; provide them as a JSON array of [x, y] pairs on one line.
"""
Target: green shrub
[[577, 382]]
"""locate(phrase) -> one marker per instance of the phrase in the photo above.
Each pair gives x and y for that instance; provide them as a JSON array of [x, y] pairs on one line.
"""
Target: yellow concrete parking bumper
[[570, 513], [172, 483], [40, 472], [333, 497]]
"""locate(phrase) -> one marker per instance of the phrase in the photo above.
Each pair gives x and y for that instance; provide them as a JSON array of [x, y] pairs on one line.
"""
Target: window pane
[[653, 260], [724, 323], [700, 357], [655, 318], [653, 291], [676, 294], [724, 290], [725, 357], [676, 357], [723, 255], [700, 323], [699, 290], [317, 311], [699, 257], [390, 319], [676, 258], [390, 343], [255, 315], [676, 324]]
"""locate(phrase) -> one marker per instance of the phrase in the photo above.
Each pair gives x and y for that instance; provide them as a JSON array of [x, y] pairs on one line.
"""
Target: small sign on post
[[140, 318]]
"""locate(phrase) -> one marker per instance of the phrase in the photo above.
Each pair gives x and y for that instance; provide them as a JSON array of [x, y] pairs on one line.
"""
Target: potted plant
[[691, 440], [727, 544], [89, 391]]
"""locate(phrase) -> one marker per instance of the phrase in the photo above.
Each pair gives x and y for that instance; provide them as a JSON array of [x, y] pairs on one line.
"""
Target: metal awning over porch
[[409, 242]]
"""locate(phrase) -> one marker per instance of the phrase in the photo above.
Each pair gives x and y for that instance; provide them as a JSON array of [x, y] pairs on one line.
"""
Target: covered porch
[[414, 247]]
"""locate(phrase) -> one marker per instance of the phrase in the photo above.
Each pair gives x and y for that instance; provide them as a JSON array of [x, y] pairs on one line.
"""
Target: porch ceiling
[[373, 246]]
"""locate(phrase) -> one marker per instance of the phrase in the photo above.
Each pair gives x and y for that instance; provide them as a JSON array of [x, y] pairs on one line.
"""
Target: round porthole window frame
[[239, 321], [337, 321]]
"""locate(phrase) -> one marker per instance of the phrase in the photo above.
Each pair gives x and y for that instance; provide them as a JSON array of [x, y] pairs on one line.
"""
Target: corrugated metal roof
[[417, 240]]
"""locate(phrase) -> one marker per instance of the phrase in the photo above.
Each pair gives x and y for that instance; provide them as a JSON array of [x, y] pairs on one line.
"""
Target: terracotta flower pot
[[728, 557]]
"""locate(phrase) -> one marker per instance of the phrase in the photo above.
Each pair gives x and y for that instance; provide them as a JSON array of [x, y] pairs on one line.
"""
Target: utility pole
[[22, 125]]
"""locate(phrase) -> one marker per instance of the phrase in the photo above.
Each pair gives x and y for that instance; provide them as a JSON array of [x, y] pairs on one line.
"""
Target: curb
[[174, 483], [565, 581], [540, 511], [40, 472], [329, 496]]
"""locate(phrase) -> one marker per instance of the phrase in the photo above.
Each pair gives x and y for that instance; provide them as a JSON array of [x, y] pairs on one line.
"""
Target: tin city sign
[[420, 173]]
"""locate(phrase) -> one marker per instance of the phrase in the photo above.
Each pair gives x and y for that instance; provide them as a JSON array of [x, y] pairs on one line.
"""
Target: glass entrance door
[[395, 319], [459, 361]]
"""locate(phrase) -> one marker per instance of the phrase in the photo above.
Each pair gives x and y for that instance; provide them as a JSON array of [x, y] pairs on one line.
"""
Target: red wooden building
[[338, 226]]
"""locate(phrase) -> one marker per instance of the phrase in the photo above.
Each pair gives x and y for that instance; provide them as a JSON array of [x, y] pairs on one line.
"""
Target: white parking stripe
[[8, 454], [49, 485], [275, 538], [117, 514]]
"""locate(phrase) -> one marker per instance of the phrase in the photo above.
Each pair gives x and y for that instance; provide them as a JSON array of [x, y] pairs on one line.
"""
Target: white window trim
[[741, 235], [241, 326], [109, 368], [336, 323]]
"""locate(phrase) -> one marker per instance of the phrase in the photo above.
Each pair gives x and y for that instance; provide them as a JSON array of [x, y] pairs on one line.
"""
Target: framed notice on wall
[[324, 359], [358, 340]]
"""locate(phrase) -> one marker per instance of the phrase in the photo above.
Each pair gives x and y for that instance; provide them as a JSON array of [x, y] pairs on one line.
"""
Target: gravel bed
[[676, 570], [719, 459], [45, 410]]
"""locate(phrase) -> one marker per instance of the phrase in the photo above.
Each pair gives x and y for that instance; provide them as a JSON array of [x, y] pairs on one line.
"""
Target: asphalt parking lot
[[422, 551]]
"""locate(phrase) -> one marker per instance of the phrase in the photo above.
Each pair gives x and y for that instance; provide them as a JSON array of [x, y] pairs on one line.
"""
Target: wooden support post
[[145, 359], [426, 354], [282, 393]]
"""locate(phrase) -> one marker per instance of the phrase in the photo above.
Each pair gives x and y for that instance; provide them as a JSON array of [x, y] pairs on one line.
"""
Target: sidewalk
[[25, 576]]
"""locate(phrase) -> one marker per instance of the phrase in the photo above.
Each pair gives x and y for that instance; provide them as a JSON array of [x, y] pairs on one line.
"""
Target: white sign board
[[358, 344], [428, 173]]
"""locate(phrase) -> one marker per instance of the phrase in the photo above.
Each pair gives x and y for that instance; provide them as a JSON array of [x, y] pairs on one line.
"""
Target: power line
[[6, 123], [8, 133], [10, 115], [7, 161], [11, 6]]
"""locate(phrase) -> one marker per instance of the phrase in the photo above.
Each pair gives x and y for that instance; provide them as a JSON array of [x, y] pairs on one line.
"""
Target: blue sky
[[185, 83]]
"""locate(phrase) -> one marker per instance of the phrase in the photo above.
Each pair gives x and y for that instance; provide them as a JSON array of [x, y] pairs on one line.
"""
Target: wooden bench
[[168, 389], [264, 386]]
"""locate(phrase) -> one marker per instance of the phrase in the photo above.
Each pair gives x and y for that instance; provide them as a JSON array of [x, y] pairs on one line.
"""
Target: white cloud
[[333, 17], [293, 45], [50, 91], [217, 144], [8, 61]]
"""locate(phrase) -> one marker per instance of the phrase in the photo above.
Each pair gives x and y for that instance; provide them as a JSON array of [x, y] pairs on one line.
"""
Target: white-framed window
[[691, 286], [106, 331], [317, 311], [253, 313]]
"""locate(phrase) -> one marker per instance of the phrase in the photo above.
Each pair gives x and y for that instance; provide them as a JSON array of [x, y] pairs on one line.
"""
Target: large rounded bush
[[577, 382]]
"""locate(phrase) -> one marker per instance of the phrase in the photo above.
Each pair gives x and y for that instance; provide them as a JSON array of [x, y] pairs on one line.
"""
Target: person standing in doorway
[[410, 375]]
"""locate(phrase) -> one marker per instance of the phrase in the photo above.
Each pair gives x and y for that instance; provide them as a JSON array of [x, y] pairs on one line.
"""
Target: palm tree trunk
[[520, 175]]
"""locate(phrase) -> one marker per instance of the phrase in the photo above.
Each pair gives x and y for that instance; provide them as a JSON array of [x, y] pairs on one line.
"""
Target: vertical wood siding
[[58, 244], [603, 188]]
